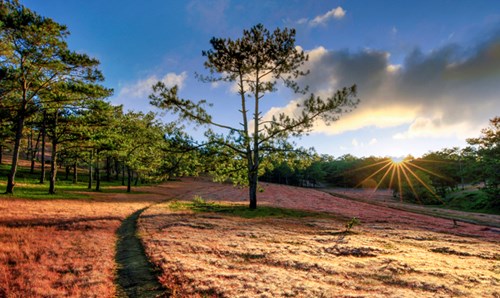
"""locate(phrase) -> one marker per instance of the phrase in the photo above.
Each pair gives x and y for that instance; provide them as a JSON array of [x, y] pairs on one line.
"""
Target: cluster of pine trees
[[54, 109]]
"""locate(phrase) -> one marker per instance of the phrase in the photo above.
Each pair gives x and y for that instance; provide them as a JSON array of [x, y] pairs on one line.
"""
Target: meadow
[[205, 242], [209, 247], [63, 247]]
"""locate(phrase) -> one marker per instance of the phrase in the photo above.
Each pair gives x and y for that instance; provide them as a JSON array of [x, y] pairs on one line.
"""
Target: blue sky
[[427, 71]]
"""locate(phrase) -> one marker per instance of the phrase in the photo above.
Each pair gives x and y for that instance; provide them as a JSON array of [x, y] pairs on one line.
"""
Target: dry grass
[[398, 255], [61, 248], [58, 248]]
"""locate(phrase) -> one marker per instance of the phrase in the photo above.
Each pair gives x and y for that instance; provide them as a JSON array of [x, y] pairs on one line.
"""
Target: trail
[[136, 275]]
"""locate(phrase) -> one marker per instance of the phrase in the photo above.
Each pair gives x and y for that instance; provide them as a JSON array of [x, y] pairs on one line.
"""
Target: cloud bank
[[449, 92]]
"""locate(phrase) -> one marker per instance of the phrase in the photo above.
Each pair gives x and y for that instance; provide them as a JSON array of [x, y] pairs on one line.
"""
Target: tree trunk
[[117, 169], [68, 169], [123, 174], [90, 168], [136, 179], [75, 172], [15, 154], [108, 168], [30, 151], [129, 179], [29, 142], [53, 168], [34, 151], [252, 183], [253, 172], [42, 160], [97, 173], [1, 153]]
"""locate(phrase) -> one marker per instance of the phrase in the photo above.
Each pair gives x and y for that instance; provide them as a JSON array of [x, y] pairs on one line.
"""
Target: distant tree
[[34, 56], [444, 167], [141, 140], [256, 63], [415, 190], [488, 152], [101, 135]]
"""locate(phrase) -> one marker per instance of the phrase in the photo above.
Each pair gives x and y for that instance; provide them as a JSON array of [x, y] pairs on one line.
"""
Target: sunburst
[[400, 171]]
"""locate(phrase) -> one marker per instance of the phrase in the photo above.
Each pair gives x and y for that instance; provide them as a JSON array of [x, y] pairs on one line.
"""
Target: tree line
[[429, 178]]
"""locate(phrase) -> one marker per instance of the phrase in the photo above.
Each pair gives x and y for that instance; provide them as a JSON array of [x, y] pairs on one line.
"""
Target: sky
[[427, 72]]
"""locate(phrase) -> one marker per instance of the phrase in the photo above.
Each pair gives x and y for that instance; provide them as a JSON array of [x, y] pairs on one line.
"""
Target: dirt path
[[136, 275]]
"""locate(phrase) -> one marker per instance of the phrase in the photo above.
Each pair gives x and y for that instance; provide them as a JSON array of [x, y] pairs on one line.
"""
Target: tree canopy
[[35, 60]]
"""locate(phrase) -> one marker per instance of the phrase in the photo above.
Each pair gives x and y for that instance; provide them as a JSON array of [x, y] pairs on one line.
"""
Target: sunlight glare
[[397, 160]]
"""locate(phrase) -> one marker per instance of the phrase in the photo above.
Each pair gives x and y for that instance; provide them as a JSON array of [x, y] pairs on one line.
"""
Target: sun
[[397, 160]]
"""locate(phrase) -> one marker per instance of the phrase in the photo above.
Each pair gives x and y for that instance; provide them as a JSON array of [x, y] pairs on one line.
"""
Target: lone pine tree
[[257, 62]]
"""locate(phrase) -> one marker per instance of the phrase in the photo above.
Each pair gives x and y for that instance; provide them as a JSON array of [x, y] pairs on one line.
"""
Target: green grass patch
[[29, 189], [239, 210], [28, 186], [470, 200]]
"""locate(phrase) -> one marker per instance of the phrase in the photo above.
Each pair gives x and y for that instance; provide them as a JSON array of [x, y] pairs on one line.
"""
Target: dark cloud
[[343, 68], [451, 88]]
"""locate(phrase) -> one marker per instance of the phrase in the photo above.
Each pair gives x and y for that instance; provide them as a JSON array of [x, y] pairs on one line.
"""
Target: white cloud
[[373, 141], [134, 96], [142, 88], [336, 13], [355, 143], [302, 21], [435, 128]]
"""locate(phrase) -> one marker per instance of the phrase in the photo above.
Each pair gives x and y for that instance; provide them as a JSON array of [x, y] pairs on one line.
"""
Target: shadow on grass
[[32, 190], [65, 190]]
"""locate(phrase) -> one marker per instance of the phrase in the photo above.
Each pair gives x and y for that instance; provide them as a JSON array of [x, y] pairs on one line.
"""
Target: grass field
[[294, 245], [209, 253], [60, 247], [214, 249]]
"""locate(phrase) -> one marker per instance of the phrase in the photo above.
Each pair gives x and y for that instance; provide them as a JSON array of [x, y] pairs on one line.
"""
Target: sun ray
[[434, 161], [400, 186], [373, 174], [423, 183], [402, 171], [383, 177], [370, 166], [392, 176], [429, 171], [410, 184]]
